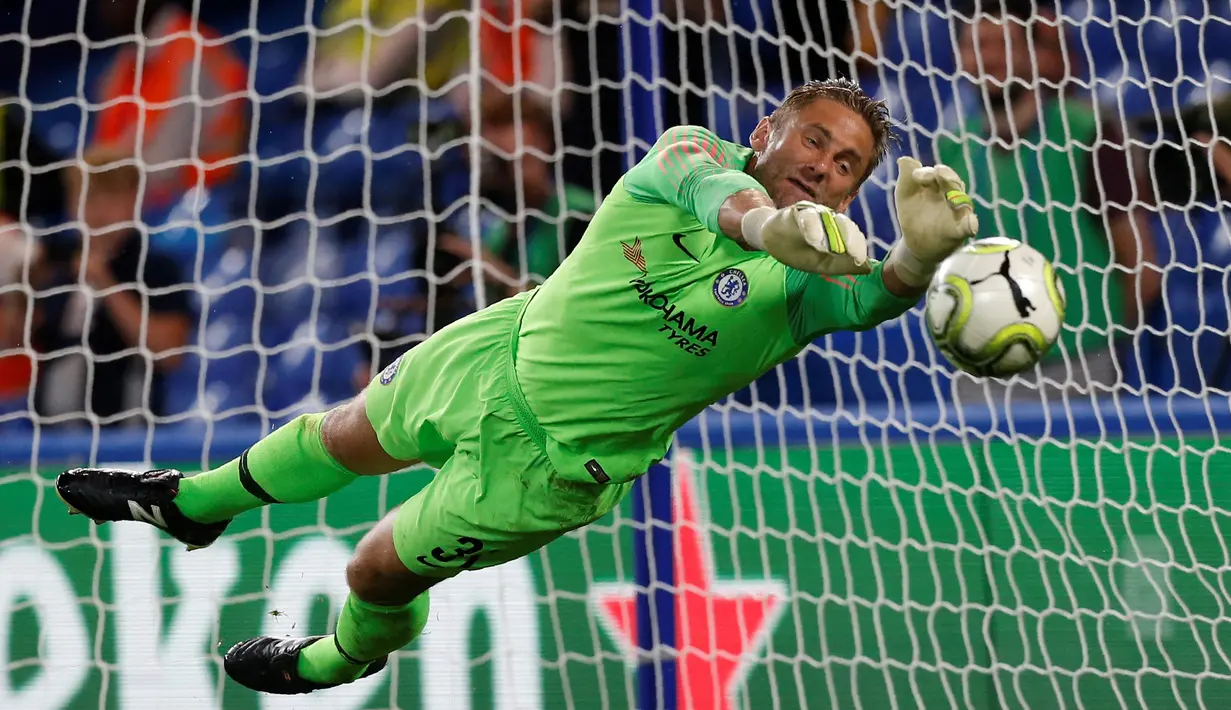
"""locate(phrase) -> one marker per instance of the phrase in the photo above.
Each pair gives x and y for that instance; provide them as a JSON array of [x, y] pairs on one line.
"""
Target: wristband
[[912, 270], [753, 223]]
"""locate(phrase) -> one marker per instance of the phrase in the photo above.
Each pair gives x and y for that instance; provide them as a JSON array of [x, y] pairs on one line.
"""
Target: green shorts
[[496, 497]]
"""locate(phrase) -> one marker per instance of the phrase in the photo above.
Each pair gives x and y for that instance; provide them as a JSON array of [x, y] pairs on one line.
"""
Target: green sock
[[365, 633], [290, 465]]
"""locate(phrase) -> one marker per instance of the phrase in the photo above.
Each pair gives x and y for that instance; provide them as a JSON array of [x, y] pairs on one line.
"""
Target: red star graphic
[[720, 626]]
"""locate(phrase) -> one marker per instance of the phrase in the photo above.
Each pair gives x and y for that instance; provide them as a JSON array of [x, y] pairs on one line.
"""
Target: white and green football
[[995, 307]]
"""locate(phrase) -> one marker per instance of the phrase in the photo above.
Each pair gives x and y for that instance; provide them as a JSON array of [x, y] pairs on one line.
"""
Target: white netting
[[845, 536]]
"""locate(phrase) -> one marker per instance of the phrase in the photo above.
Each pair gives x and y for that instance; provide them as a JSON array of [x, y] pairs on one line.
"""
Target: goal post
[[651, 497]]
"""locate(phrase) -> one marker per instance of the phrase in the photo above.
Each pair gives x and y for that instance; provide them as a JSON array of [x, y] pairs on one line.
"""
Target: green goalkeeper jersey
[[656, 314]]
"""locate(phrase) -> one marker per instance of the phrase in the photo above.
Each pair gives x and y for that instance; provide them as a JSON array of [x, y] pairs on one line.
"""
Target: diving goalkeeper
[[708, 264]]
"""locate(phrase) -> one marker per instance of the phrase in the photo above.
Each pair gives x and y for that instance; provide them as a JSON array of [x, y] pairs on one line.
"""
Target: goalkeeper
[[708, 264]]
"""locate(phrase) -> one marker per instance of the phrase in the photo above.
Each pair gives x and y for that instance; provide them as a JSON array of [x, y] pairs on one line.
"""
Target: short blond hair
[[104, 169], [849, 94]]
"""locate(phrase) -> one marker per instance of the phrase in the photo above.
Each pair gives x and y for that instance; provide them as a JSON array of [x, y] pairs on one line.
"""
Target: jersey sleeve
[[691, 168], [818, 305]]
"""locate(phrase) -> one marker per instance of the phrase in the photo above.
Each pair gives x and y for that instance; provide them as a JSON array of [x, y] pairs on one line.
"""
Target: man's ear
[[759, 139], [846, 202]]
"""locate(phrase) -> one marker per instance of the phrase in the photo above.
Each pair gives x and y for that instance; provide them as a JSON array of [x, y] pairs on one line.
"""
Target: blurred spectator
[[524, 54], [174, 98], [838, 38], [107, 310], [31, 196], [539, 221], [1057, 177], [16, 367], [791, 42], [31, 191], [1195, 136], [398, 49], [417, 44], [529, 223]]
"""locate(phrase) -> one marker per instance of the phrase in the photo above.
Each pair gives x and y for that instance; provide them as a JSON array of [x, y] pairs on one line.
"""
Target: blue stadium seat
[[920, 64], [919, 96], [923, 91], [222, 377], [1150, 55], [318, 365], [372, 264], [223, 373], [193, 230], [894, 363], [291, 269], [363, 159], [1196, 247], [15, 417]]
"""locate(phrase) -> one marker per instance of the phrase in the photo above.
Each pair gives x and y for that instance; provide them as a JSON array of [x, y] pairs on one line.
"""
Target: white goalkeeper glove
[[808, 237], [936, 216]]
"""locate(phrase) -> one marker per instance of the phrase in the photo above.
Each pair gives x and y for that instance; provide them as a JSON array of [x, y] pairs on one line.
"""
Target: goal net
[[324, 185]]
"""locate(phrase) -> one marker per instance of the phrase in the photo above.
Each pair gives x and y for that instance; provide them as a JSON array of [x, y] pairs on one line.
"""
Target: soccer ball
[[995, 307]]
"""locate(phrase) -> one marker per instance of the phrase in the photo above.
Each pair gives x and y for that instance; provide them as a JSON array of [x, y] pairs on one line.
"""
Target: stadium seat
[[195, 230], [223, 373], [363, 159], [293, 264], [371, 264], [1195, 247], [15, 417], [221, 376], [317, 362], [892, 364], [1150, 56]]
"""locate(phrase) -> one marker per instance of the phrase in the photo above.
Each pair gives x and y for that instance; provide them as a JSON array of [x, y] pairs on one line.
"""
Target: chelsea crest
[[731, 287], [387, 375]]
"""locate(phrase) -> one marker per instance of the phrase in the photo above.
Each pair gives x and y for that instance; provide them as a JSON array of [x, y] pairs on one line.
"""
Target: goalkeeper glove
[[808, 237], [936, 216]]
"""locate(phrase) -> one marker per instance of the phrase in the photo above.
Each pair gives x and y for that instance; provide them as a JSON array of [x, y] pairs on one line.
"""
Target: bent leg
[[471, 515], [466, 517], [350, 439], [311, 457], [386, 609]]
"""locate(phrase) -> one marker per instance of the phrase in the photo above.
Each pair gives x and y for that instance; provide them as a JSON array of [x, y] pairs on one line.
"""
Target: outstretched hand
[[933, 208], [936, 216], [809, 237]]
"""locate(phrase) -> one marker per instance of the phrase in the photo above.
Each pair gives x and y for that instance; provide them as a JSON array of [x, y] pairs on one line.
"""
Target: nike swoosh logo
[[679, 242]]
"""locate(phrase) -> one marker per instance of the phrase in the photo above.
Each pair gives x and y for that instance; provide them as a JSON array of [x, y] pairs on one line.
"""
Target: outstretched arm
[[818, 304], [691, 168], [936, 216]]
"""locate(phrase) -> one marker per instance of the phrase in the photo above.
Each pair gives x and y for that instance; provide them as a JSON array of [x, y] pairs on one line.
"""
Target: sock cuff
[[291, 464], [380, 608], [249, 483], [347, 656]]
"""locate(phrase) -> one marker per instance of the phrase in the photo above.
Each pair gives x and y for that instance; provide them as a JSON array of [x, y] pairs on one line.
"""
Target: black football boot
[[271, 665], [105, 495]]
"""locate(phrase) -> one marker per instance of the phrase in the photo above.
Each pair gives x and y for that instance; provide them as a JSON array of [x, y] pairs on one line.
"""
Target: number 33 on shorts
[[467, 551]]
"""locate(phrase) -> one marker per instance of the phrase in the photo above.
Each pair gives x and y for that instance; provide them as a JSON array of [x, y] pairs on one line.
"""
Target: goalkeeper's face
[[819, 153]]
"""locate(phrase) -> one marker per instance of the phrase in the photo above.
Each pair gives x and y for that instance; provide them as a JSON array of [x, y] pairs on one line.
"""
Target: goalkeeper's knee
[[350, 439], [376, 573]]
